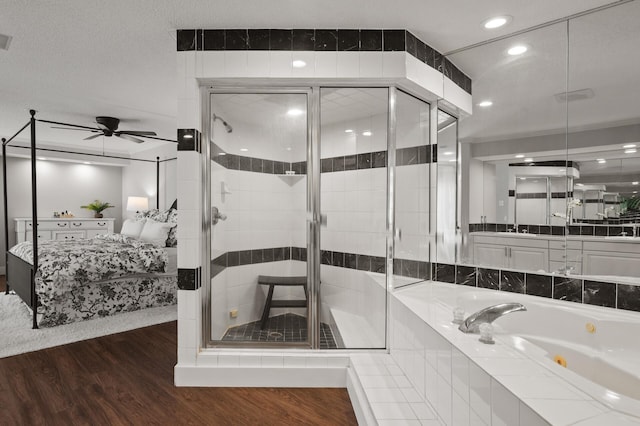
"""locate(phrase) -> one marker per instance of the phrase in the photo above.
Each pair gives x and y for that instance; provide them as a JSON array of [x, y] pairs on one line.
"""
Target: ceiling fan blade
[[72, 128], [97, 135], [129, 138], [136, 132]]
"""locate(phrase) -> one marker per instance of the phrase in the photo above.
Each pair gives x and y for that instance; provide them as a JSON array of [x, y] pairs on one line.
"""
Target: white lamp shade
[[136, 204]]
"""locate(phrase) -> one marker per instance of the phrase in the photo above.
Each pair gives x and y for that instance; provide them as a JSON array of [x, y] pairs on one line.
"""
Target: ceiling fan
[[108, 126]]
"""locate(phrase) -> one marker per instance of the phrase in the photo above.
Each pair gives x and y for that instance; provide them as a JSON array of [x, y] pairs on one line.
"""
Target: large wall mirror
[[549, 161]]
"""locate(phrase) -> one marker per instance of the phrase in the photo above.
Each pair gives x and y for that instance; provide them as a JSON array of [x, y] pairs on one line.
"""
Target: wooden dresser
[[51, 228]]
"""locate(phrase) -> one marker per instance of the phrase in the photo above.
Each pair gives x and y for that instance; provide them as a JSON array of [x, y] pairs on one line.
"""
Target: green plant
[[630, 204], [97, 206]]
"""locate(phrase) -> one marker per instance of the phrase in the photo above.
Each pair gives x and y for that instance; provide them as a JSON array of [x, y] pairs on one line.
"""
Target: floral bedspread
[[63, 265]]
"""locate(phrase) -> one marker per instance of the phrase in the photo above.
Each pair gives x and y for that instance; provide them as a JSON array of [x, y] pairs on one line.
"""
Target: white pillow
[[132, 228], [155, 232]]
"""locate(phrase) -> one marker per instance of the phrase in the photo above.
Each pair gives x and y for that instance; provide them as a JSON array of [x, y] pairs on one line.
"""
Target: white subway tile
[[258, 64], [530, 418], [348, 64], [460, 374], [326, 64], [213, 64], [392, 411], [309, 58], [505, 407], [187, 304], [370, 64], [393, 64], [280, 64], [186, 333], [187, 356], [562, 411], [443, 400], [227, 360], [480, 393], [236, 63], [384, 395], [460, 411]]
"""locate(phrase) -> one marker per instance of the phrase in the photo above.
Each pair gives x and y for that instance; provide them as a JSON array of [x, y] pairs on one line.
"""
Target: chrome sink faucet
[[489, 315]]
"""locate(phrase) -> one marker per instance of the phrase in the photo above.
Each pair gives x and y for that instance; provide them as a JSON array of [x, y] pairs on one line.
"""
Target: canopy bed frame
[[20, 274]]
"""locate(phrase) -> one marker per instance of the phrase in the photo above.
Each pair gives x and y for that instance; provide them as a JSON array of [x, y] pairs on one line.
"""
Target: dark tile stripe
[[597, 229], [189, 140], [189, 278], [364, 40]]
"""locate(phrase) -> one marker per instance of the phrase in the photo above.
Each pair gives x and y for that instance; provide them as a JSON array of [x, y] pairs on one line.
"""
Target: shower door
[[353, 233], [258, 194]]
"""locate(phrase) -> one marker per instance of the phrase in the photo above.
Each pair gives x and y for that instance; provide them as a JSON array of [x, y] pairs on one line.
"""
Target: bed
[[83, 279]]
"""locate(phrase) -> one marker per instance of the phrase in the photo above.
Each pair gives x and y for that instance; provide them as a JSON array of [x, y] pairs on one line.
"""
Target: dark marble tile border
[[607, 294], [361, 262], [589, 229], [552, 163], [189, 140], [189, 278], [254, 164], [363, 40]]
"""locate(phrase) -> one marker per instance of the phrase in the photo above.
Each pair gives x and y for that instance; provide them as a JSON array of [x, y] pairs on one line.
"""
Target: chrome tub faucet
[[489, 315]]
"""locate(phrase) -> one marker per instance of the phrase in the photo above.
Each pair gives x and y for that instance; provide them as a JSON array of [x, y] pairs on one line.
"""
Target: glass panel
[[517, 130], [603, 103], [353, 132], [413, 163], [446, 188], [258, 185]]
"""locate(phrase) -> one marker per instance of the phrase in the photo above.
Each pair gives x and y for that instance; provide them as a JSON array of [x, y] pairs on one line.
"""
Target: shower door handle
[[398, 234], [323, 220], [216, 215]]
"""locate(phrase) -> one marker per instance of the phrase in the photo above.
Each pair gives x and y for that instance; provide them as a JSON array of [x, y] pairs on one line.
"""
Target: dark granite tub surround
[[629, 297], [466, 275], [489, 278], [444, 272], [512, 281], [539, 285], [569, 289], [600, 293]]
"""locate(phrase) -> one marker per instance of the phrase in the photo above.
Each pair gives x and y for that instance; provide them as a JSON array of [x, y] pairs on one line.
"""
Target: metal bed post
[[158, 183], [34, 219], [6, 214]]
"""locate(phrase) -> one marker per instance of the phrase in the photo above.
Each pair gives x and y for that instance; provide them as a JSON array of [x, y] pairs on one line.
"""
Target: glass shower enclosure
[[306, 232]]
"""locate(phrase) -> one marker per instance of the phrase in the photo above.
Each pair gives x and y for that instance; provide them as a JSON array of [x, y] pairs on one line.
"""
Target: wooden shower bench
[[286, 303]]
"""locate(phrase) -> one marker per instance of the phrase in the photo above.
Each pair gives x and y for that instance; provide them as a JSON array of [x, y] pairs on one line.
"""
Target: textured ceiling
[[75, 59]]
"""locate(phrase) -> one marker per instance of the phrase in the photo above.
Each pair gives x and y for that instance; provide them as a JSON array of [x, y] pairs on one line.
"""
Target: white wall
[[61, 186], [139, 179]]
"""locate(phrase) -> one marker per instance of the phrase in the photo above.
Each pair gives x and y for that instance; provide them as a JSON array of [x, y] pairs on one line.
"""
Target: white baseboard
[[200, 376]]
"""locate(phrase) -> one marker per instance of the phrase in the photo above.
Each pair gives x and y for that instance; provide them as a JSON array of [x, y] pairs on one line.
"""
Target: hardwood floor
[[127, 379]]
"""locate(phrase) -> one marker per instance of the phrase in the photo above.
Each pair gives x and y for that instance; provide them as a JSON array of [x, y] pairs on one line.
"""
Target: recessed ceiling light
[[601, 160], [5, 41], [366, 133], [244, 149], [517, 50], [528, 160], [299, 63], [448, 153], [629, 145], [295, 112], [520, 156], [188, 136], [496, 22], [42, 158], [630, 151], [635, 183], [87, 162], [349, 131], [579, 184], [453, 160], [288, 148], [223, 153], [522, 178], [635, 192], [485, 104]]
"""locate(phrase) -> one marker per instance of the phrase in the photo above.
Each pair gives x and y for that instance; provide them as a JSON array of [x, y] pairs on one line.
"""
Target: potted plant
[[97, 206]]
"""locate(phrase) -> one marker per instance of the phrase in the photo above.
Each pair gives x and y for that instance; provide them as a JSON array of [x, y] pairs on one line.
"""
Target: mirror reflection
[[549, 159]]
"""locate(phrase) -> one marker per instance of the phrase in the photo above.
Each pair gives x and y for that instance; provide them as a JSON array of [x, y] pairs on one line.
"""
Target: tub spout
[[488, 315]]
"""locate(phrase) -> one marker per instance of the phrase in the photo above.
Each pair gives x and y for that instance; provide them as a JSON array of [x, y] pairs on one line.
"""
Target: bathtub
[[601, 347]]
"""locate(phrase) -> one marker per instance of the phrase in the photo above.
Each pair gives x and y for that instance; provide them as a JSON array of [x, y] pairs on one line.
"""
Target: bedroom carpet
[[17, 336]]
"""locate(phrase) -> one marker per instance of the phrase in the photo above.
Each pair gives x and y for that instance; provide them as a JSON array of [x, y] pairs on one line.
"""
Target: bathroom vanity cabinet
[[611, 258], [514, 253]]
